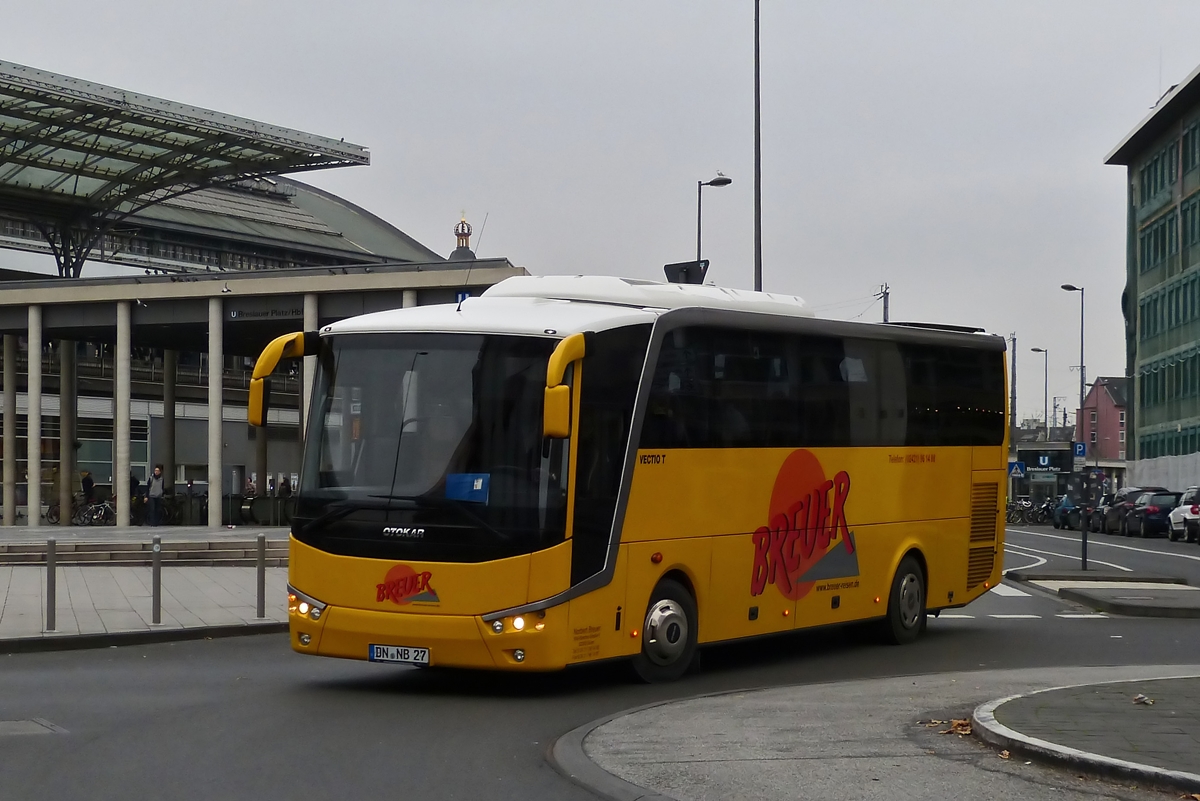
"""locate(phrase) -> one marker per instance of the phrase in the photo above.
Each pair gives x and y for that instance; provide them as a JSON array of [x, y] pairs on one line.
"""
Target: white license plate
[[398, 653]]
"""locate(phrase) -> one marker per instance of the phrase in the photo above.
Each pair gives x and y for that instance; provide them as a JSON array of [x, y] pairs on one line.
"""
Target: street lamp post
[[1078, 423], [1045, 387], [757, 164], [720, 180]]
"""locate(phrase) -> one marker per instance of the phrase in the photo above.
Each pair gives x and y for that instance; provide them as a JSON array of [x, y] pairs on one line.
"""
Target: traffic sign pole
[[1079, 451]]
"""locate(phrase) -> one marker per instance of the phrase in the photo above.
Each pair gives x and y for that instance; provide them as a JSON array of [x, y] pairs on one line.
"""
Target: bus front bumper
[[452, 640]]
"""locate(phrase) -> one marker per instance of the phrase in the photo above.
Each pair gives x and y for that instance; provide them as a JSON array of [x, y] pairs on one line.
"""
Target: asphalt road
[[1061, 549], [247, 718]]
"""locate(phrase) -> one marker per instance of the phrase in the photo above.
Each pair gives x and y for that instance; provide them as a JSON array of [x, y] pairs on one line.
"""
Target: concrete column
[[260, 461], [121, 398], [311, 322], [67, 417], [34, 389], [170, 368], [408, 299], [216, 364], [10, 429]]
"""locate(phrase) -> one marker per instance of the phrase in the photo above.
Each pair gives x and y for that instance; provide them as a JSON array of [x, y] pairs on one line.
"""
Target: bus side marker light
[[633, 633], [876, 599], [987, 585], [786, 612], [656, 557]]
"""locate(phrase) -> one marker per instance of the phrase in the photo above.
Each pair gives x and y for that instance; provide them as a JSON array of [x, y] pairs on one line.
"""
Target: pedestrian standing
[[154, 495]]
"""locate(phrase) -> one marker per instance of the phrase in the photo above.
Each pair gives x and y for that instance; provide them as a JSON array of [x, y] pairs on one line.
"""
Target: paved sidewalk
[[886, 739], [16, 534], [105, 600], [1102, 727]]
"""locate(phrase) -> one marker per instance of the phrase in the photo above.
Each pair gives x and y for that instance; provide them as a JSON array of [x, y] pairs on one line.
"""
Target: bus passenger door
[[744, 600]]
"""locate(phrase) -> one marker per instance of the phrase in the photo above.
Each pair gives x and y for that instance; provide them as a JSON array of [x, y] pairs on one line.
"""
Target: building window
[[1121, 418], [1158, 240], [1159, 172], [1121, 437], [1093, 437], [1093, 417]]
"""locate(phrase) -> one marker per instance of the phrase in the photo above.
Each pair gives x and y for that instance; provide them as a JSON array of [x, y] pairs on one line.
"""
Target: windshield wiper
[[335, 511], [459, 506]]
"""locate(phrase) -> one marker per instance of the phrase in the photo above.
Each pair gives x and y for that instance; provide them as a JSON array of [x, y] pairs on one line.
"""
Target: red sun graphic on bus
[[403, 585], [807, 538]]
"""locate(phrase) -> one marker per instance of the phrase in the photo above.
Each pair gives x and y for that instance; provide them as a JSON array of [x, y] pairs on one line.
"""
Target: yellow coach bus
[[570, 469]]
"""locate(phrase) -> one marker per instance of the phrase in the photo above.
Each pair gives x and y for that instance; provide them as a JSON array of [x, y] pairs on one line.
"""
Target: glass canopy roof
[[69, 146]]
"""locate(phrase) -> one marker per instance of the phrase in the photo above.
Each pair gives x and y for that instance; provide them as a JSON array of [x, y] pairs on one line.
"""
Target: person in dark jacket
[[154, 496]]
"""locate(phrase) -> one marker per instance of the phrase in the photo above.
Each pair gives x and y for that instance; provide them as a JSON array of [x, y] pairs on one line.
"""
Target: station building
[[218, 253], [1161, 301]]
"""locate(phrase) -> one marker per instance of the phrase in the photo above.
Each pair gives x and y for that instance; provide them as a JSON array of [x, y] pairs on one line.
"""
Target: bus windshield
[[428, 446]]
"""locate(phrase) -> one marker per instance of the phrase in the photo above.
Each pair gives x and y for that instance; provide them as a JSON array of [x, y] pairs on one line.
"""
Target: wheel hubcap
[[666, 632], [911, 601]]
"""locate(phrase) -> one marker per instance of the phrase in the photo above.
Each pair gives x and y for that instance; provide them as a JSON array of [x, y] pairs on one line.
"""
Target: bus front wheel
[[668, 634], [906, 615]]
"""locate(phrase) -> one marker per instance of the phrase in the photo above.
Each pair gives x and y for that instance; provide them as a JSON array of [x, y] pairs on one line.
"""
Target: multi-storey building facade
[[1161, 302], [1101, 422]]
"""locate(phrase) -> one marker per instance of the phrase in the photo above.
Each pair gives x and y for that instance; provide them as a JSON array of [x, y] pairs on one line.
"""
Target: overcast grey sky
[[954, 150]]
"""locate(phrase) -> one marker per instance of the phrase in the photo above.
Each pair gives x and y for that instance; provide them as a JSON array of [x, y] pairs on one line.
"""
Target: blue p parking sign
[[1081, 449]]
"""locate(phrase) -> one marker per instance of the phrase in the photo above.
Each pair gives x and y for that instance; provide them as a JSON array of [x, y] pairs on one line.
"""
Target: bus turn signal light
[[656, 557]]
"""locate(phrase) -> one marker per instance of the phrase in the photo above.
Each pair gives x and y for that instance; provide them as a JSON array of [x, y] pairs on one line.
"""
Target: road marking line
[[1016, 617], [1109, 545], [1040, 561], [1064, 556], [1082, 616], [1009, 592], [944, 616]]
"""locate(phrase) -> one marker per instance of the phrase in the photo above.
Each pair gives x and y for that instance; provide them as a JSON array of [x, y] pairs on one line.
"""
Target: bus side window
[[612, 370]]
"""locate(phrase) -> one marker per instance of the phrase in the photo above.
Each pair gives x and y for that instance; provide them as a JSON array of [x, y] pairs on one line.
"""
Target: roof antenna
[[461, 297], [482, 228]]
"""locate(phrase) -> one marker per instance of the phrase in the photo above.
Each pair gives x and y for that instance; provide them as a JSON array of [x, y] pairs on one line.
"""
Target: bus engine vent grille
[[979, 566], [984, 499]]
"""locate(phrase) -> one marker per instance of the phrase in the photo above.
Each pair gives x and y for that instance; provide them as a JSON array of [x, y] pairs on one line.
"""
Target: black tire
[[1124, 527], [906, 615], [1141, 529], [1171, 532], [1057, 524], [670, 620], [52, 514]]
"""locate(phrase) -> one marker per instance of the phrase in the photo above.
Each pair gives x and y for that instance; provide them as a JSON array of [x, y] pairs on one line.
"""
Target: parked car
[[1150, 514], [1066, 513], [1185, 518], [1096, 518], [1114, 517]]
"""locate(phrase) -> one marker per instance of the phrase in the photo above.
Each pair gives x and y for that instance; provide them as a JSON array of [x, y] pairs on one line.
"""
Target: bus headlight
[[518, 623], [304, 605]]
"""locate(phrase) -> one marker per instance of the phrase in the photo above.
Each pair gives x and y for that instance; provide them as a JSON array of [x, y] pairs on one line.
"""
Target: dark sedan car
[[1150, 515], [1123, 501], [1095, 520]]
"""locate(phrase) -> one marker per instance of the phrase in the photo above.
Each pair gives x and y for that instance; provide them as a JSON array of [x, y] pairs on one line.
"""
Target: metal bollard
[[156, 579], [262, 575], [51, 581]]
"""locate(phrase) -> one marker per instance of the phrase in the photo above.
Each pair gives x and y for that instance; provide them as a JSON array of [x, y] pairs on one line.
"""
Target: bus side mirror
[[556, 422], [556, 410], [288, 346]]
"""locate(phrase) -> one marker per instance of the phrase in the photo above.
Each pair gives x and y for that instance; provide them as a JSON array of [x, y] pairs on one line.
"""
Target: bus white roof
[[562, 305], [645, 294]]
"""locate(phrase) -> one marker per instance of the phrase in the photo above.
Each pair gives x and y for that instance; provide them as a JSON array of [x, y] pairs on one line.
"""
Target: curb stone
[[73, 642], [991, 731], [566, 755]]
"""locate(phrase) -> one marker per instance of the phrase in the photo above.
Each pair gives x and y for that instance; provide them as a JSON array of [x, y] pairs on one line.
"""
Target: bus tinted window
[[722, 387]]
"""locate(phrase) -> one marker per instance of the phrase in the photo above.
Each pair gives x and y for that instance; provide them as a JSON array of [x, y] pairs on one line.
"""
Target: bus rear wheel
[[906, 616], [668, 634]]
